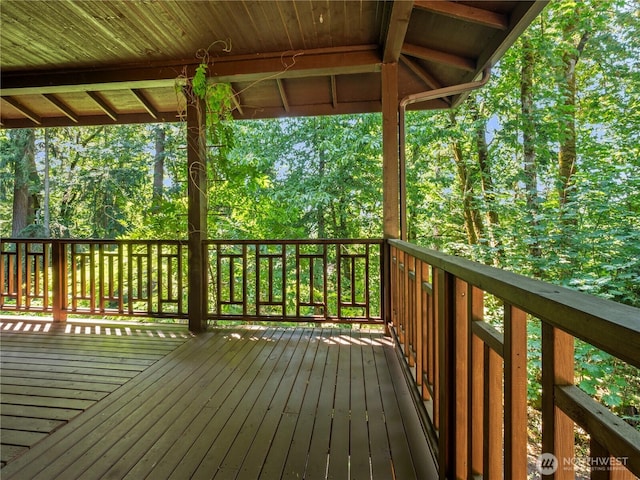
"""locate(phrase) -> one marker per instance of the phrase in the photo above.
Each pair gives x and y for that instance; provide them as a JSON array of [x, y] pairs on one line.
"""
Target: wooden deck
[[53, 372], [235, 403]]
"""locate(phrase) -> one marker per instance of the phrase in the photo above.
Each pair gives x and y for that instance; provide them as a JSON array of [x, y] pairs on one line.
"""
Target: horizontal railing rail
[[296, 280], [470, 371]]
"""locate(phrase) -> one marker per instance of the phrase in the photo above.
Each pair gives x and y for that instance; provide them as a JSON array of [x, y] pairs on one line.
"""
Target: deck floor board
[[243, 403]]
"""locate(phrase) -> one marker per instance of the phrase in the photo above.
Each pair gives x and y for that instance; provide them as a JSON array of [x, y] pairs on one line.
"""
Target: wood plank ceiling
[[77, 62]]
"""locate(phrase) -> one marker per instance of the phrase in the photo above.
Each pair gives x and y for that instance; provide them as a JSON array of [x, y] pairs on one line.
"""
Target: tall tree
[[479, 117], [474, 226], [529, 126], [160, 137], [574, 40], [26, 184]]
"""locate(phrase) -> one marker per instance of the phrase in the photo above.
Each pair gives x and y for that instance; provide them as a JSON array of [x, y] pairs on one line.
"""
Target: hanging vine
[[218, 101]]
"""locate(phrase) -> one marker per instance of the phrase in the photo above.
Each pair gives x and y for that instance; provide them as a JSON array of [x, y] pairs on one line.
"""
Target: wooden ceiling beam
[[244, 68], [343, 108], [63, 107], [425, 76], [465, 13], [104, 106], [23, 110], [139, 94], [298, 64], [438, 56], [283, 95], [398, 24]]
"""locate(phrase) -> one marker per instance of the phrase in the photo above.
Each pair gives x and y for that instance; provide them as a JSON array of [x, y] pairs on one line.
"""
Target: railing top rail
[[99, 241], [611, 326], [212, 241], [299, 241]]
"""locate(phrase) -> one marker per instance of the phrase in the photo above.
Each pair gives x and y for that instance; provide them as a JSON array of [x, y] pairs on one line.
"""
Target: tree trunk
[[486, 179], [321, 173], [158, 166], [528, 142], [26, 184], [46, 216], [567, 85], [473, 224]]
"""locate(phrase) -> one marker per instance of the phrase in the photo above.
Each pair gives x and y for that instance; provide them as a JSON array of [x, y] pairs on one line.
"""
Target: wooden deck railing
[[94, 277], [471, 373], [296, 280], [279, 280], [468, 367]]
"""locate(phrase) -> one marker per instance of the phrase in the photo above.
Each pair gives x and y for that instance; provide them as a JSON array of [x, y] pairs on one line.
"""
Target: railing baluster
[[492, 415], [515, 392], [461, 367], [475, 382], [557, 369], [419, 327], [445, 387]]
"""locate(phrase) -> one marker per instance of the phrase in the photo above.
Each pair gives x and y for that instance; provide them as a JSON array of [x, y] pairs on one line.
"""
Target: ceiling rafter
[[104, 106], [23, 110], [398, 24], [466, 13], [63, 107], [90, 120], [283, 95], [425, 76], [139, 94], [438, 56]]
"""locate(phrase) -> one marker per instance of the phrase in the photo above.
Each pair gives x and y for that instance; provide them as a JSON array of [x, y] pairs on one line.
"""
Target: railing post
[[385, 250], [59, 280]]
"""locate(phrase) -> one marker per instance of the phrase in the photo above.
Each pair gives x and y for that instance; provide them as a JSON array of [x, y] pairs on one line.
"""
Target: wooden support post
[[59, 281], [557, 369], [197, 211], [390, 146]]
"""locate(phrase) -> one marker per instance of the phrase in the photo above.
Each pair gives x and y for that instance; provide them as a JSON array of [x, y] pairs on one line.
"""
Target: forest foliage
[[538, 173]]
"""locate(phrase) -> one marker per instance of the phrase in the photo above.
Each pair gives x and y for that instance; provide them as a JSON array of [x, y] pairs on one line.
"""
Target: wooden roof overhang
[[76, 62]]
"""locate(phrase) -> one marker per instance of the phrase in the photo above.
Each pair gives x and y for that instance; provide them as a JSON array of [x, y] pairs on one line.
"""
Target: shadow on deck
[[236, 403]]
